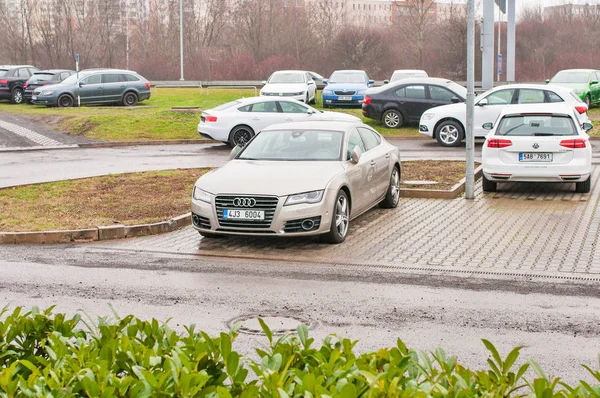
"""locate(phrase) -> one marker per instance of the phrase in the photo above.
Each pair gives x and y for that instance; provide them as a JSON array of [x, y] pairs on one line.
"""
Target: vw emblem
[[535, 145], [244, 202]]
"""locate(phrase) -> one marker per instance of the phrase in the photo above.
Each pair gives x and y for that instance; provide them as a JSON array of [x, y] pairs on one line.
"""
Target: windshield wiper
[[514, 128]]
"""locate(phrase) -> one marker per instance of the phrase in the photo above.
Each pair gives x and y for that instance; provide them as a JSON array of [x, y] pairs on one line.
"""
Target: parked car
[[406, 100], [346, 88], [291, 83], [318, 79], [294, 179], [12, 79], [238, 121], [537, 143], [44, 78], [95, 86], [447, 124], [585, 82], [405, 74]]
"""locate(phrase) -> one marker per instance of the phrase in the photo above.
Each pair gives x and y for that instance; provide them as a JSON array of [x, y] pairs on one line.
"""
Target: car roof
[[107, 70], [557, 108], [410, 70], [254, 100], [578, 70], [316, 125], [529, 85], [52, 71], [15, 66], [289, 71], [420, 80], [348, 70]]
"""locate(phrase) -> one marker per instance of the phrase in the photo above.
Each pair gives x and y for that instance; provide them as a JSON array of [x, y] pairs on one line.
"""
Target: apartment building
[[571, 8], [358, 12]]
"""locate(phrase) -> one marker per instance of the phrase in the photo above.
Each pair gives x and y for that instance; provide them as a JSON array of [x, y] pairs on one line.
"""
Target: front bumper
[[300, 97], [334, 100], [46, 100], [286, 220], [427, 127]]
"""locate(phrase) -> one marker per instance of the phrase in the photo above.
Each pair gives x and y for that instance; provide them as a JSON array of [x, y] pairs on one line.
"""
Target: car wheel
[[340, 221], [392, 119], [583, 186], [16, 96], [449, 133], [314, 100], [65, 101], [240, 135], [130, 99], [488, 185], [392, 196], [325, 106], [588, 101]]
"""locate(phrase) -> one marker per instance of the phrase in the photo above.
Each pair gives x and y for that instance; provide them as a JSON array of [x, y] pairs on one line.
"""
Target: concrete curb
[[113, 144], [95, 234], [453, 193]]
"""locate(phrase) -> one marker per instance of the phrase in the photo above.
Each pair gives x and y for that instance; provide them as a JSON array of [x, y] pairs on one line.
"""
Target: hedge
[[52, 355]]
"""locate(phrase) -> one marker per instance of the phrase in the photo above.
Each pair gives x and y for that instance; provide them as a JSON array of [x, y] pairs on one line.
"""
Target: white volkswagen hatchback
[[295, 84], [537, 143], [238, 121]]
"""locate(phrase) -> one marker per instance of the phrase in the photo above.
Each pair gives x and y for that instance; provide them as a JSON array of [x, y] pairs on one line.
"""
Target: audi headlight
[[327, 91], [427, 116], [45, 93], [201, 195], [304, 197]]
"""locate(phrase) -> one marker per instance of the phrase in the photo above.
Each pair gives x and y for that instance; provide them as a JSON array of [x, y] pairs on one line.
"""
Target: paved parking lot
[[541, 230]]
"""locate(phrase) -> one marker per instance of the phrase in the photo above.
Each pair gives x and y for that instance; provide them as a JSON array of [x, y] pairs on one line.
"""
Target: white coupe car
[[447, 123], [537, 143], [295, 84], [238, 121]]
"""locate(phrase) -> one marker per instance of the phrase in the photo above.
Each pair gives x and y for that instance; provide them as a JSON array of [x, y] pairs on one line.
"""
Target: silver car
[[301, 178]]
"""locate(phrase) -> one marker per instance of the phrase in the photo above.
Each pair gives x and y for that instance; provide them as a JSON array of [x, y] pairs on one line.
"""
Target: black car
[[12, 79], [406, 100], [43, 78]]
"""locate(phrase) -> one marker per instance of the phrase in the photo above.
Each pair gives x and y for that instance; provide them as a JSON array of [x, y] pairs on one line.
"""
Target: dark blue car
[[346, 88]]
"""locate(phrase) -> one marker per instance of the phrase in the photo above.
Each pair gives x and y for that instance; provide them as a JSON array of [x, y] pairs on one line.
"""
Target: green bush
[[50, 355]]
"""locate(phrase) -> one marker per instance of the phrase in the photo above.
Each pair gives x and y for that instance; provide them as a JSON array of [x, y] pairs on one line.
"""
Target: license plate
[[345, 98], [535, 157], [34, 97], [240, 214]]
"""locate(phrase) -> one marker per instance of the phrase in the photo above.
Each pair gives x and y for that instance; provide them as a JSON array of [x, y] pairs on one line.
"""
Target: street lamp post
[[181, 36], [470, 160]]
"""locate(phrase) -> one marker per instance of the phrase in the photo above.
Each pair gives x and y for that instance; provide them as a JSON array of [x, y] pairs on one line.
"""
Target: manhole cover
[[425, 182], [277, 324]]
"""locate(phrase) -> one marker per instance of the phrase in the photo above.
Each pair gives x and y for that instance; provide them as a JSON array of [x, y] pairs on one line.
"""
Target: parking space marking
[[28, 134]]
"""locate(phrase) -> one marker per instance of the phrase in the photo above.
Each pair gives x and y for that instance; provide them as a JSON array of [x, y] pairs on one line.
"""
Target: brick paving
[[536, 229]]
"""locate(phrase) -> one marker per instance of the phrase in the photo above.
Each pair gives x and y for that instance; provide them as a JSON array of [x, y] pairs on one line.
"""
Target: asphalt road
[[557, 324]]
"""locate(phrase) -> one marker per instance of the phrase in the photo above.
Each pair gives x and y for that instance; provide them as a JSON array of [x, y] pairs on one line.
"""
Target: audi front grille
[[266, 203]]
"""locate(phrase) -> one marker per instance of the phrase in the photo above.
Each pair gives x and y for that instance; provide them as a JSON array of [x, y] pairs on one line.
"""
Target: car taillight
[[581, 109], [498, 143], [4, 81], [210, 118], [367, 100], [575, 143], [148, 85]]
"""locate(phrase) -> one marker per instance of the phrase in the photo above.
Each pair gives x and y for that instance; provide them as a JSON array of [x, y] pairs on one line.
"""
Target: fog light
[[308, 224]]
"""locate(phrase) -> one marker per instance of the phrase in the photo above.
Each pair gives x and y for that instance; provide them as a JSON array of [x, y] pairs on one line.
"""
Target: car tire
[[392, 197], [325, 106], [584, 186], [314, 100], [240, 135], [16, 97], [449, 133], [129, 99], [340, 221], [65, 101], [488, 185], [588, 101], [392, 119]]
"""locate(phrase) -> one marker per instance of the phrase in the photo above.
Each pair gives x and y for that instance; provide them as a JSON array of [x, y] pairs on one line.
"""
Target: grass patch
[[445, 172], [157, 123], [128, 199]]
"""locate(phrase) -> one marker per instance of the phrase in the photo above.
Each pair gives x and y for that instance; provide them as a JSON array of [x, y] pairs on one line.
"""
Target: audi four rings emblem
[[535, 145], [244, 202]]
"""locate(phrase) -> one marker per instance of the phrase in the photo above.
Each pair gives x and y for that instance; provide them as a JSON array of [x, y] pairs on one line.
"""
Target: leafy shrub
[[46, 354]]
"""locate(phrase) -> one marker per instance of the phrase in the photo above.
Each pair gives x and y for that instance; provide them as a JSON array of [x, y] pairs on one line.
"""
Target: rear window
[[3, 72], [536, 126], [227, 105], [131, 78], [42, 77]]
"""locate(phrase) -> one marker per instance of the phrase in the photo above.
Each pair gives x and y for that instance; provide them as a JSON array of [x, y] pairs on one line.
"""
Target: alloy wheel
[[18, 97], [449, 134], [341, 216], [392, 119], [241, 137], [395, 186]]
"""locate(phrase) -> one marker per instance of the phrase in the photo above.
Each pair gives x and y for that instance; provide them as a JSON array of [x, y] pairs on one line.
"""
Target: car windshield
[[73, 78], [295, 145], [571, 77], [42, 77], [404, 75], [226, 105], [3, 72], [348, 77], [536, 125], [287, 78]]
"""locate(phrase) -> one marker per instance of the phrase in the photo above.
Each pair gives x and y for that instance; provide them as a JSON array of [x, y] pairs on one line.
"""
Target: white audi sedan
[[537, 143], [238, 121], [295, 179], [294, 84], [447, 123]]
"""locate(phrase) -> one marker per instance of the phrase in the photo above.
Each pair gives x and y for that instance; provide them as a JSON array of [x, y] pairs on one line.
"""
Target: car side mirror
[[325, 81], [310, 111], [263, 82], [81, 84], [483, 102], [356, 153], [371, 81], [386, 81], [547, 80], [587, 126], [594, 82], [488, 126], [235, 151], [455, 100]]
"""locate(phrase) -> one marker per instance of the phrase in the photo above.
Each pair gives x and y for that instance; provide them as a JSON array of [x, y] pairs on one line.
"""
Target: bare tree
[[415, 17]]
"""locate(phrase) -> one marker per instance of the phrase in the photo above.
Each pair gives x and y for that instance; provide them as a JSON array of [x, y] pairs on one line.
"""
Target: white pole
[[510, 42], [126, 35], [470, 167], [499, 66], [181, 36], [487, 58]]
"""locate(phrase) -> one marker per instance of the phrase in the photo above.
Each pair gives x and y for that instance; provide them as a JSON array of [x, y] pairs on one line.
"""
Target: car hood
[[57, 86], [338, 116], [347, 86], [284, 88], [260, 177]]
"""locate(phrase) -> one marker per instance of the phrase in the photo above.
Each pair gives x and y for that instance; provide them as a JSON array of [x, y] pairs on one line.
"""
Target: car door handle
[[100, 88], [387, 155], [255, 118], [372, 163]]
